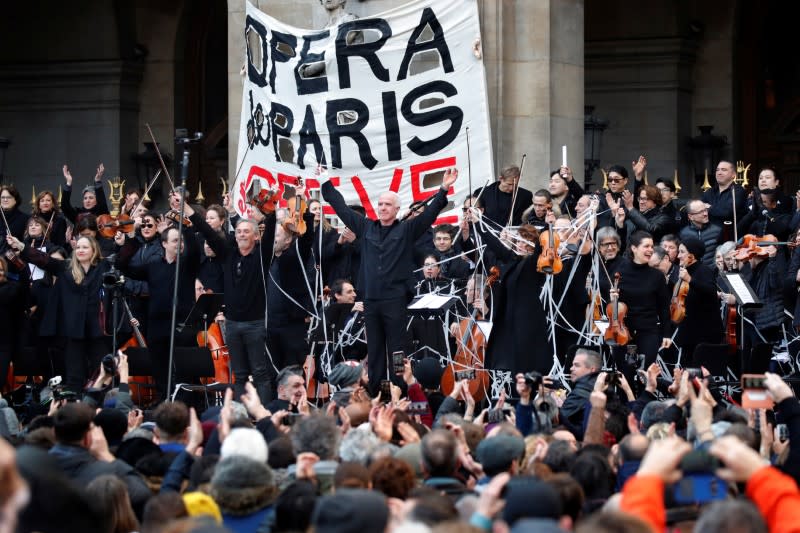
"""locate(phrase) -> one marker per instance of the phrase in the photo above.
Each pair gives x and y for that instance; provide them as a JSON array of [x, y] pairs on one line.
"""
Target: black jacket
[[100, 208], [710, 234], [722, 203], [497, 204], [703, 322], [387, 252]]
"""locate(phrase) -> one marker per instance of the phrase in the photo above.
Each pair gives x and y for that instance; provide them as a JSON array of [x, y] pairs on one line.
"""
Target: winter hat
[[242, 486], [351, 511], [695, 247], [345, 374], [114, 424], [528, 497], [428, 372], [201, 504]]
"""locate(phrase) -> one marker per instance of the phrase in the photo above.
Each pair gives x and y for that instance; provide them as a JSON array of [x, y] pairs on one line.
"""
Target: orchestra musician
[[642, 289], [702, 323]]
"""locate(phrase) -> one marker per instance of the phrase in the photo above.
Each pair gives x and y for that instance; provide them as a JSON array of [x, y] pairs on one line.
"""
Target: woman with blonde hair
[[46, 208], [76, 309]]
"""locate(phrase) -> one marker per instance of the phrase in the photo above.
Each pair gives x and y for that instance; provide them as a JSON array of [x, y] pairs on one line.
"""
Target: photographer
[[103, 386], [583, 373], [775, 494]]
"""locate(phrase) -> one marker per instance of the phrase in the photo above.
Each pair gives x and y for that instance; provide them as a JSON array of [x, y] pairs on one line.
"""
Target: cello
[[471, 348], [616, 334], [213, 338], [137, 384]]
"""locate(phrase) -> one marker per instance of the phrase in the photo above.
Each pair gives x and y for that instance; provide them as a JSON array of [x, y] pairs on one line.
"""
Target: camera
[[694, 373], [109, 363], [533, 379], [290, 418], [699, 483], [632, 357], [56, 387], [113, 278], [612, 377]]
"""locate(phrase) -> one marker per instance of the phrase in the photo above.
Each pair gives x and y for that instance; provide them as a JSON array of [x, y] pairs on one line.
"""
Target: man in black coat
[[497, 198], [82, 452], [387, 265]]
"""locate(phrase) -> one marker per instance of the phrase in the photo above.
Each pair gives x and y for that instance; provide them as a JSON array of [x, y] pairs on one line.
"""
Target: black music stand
[[193, 363], [208, 305], [431, 304], [139, 364]]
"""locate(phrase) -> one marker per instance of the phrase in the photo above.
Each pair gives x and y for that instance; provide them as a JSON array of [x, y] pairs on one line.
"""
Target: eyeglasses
[[615, 180], [610, 244], [430, 265], [148, 225], [6, 197], [700, 212]]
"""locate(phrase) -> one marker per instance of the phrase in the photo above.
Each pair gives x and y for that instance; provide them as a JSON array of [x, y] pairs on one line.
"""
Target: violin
[[174, 216], [108, 226], [265, 200], [297, 208], [616, 334], [469, 356], [677, 306], [14, 258], [749, 248], [549, 262]]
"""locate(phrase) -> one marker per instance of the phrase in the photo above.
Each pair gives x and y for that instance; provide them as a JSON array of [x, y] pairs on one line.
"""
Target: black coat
[[703, 322], [74, 309], [387, 252], [722, 203], [58, 229], [160, 278], [497, 204], [654, 221], [17, 221], [519, 333], [71, 213]]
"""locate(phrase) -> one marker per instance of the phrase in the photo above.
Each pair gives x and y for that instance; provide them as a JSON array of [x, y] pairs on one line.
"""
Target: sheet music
[[430, 301], [740, 289]]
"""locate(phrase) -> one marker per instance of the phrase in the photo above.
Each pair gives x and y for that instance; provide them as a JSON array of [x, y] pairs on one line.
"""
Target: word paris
[[384, 103]]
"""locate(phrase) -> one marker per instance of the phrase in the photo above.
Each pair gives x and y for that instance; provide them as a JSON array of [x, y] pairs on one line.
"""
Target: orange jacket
[[775, 494]]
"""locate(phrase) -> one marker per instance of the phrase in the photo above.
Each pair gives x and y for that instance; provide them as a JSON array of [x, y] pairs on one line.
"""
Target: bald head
[[388, 207]]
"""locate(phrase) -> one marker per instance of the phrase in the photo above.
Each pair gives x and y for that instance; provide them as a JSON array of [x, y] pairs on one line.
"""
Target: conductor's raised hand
[[450, 177]]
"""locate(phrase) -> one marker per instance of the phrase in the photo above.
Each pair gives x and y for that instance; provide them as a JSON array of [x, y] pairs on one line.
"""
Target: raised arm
[[421, 223], [355, 221]]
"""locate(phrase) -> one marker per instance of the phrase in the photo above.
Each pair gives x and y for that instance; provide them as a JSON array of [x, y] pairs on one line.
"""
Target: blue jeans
[[246, 341]]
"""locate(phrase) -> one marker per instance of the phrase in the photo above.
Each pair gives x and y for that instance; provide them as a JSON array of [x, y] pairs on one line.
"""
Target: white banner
[[383, 103]]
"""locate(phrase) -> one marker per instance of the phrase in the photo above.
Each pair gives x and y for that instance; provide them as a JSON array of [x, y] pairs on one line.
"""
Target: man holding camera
[[585, 368]]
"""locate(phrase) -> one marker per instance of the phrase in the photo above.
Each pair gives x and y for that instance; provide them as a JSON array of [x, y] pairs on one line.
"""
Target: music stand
[[746, 298], [431, 304], [193, 363], [207, 305]]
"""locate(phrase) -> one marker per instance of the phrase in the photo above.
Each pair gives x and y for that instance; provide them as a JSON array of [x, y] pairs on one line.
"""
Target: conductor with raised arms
[[387, 265]]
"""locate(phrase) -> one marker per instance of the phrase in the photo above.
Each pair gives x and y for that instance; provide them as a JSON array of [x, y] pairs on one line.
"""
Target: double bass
[[469, 356]]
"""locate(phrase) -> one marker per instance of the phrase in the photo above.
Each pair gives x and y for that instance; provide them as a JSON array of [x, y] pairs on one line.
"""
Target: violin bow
[[516, 188], [160, 159], [147, 190]]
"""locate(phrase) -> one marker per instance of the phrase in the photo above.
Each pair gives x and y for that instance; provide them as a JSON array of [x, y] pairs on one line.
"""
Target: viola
[[297, 208], [549, 262], [108, 226], [677, 306], [471, 349], [616, 334]]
